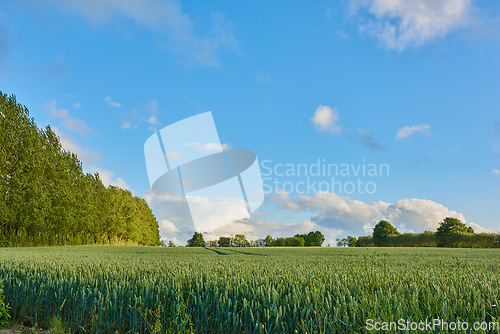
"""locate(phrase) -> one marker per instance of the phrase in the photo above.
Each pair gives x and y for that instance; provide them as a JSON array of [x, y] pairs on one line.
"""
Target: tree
[[196, 241], [315, 239], [382, 231], [240, 240], [269, 241], [351, 241], [449, 229], [212, 243], [341, 242], [224, 242], [171, 243]]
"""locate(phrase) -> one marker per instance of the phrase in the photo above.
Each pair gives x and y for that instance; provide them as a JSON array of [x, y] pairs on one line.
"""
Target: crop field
[[109, 289]]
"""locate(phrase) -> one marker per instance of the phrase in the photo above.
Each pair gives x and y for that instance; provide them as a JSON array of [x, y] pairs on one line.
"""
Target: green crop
[[109, 289]]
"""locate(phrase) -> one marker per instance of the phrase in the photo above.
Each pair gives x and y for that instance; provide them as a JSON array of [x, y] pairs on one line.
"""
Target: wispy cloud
[[112, 103], [408, 131], [69, 122], [263, 78], [325, 119], [399, 24], [88, 157], [166, 18], [152, 120], [495, 172], [369, 142], [209, 147]]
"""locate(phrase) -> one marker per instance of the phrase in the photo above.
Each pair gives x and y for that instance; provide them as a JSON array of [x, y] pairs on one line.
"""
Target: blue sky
[[410, 84]]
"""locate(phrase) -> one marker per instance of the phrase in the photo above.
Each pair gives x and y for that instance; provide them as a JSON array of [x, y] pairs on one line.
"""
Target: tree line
[[47, 199], [451, 233], [313, 238]]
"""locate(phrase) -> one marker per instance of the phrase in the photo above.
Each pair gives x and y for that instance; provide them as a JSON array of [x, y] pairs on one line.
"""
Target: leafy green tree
[[47, 199], [196, 241], [351, 241], [382, 231], [269, 241], [224, 242], [315, 238], [171, 243], [239, 240], [449, 230]]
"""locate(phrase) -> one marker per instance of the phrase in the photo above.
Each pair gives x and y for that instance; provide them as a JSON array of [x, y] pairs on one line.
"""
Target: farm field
[[125, 289]]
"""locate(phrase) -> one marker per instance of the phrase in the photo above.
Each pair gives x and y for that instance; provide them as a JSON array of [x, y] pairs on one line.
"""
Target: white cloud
[[88, 157], [325, 119], [68, 143], [112, 103], [407, 131], [167, 227], [400, 24], [152, 120], [357, 217], [108, 177], [165, 17], [495, 172], [174, 155], [209, 147], [69, 122], [127, 125], [77, 105]]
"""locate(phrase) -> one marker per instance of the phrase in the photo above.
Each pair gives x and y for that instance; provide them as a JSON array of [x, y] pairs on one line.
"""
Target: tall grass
[[104, 289]]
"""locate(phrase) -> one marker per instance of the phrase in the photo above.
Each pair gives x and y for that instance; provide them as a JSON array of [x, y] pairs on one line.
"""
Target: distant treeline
[[313, 238], [450, 233], [47, 199]]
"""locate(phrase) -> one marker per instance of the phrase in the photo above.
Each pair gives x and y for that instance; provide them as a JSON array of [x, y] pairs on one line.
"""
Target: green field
[[108, 289]]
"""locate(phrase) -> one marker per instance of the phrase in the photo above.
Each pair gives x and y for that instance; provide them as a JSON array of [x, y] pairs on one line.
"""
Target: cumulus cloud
[[112, 103], [69, 122], [408, 131], [325, 119], [352, 216], [399, 24], [164, 17], [107, 177]]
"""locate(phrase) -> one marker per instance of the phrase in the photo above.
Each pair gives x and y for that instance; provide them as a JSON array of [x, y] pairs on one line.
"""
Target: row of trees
[[451, 233], [47, 199], [313, 238]]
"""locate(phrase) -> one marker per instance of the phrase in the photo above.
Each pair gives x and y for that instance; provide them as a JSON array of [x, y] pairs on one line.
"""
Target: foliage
[[315, 238], [196, 241], [383, 230], [347, 241], [106, 289], [240, 240], [47, 199], [4, 309], [449, 231], [224, 242]]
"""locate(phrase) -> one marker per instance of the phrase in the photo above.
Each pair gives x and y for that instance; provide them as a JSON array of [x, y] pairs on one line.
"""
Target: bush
[[4, 310]]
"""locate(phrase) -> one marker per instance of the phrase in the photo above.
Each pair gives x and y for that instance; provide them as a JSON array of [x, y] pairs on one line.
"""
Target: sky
[[393, 106]]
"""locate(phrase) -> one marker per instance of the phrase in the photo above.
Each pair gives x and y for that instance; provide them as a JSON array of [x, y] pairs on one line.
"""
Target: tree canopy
[[47, 199]]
